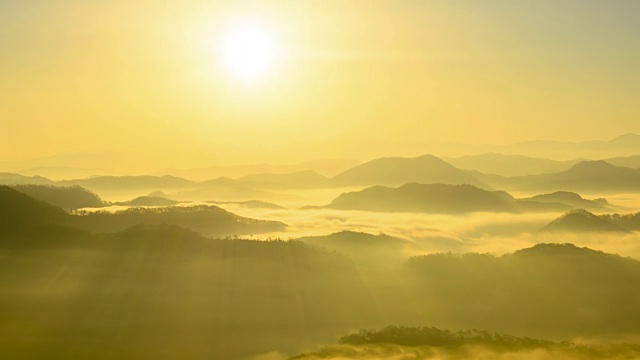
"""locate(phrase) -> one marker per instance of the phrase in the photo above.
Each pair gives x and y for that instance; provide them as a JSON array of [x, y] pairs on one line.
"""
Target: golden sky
[[351, 77]]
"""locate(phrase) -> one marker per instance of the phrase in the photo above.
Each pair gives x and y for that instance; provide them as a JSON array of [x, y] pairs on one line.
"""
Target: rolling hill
[[582, 221], [164, 292], [149, 201], [397, 171], [549, 290], [573, 200], [363, 248]]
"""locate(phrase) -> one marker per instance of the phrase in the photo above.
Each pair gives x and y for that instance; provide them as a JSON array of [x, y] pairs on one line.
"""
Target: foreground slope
[[19, 211], [549, 290], [163, 292]]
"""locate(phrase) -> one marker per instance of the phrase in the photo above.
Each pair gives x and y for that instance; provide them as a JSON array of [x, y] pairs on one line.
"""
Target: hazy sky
[[147, 76]]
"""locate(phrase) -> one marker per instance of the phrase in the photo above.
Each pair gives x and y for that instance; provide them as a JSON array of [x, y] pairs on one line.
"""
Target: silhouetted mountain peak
[[17, 179], [396, 171], [555, 249], [150, 201], [592, 166], [559, 196], [580, 220]]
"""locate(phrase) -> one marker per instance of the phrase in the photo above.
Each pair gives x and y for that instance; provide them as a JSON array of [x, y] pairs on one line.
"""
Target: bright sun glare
[[248, 51]]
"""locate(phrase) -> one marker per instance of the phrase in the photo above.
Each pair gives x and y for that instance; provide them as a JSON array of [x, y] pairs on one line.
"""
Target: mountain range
[[581, 176], [20, 212], [453, 199]]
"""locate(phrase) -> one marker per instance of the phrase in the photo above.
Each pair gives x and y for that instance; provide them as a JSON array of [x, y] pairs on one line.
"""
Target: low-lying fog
[[496, 233]]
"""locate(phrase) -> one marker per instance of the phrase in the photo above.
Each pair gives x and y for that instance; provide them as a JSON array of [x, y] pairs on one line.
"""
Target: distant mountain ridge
[[509, 165], [583, 176], [17, 179]]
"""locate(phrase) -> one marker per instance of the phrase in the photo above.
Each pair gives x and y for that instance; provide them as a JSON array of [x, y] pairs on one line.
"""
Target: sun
[[248, 51]]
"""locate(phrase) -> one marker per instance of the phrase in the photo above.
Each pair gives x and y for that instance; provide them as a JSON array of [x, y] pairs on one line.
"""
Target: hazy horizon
[[144, 78]]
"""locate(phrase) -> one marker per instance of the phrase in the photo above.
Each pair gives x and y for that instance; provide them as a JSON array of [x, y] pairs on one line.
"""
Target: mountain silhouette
[[626, 140], [595, 175], [437, 198], [397, 171], [149, 201], [66, 197], [573, 200], [19, 212], [206, 219], [550, 290], [363, 248], [251, 204], [582, 221], [17, 179]]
